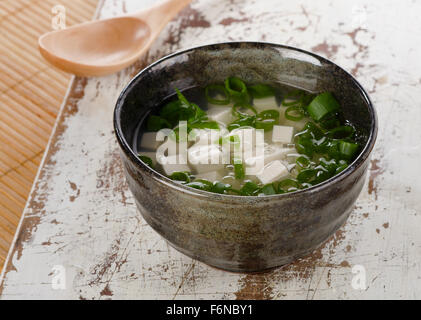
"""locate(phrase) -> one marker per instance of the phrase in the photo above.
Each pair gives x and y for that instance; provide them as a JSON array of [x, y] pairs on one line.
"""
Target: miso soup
[[248, 139]]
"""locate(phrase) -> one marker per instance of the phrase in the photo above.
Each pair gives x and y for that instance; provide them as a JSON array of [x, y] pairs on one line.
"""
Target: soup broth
[[251, 140]]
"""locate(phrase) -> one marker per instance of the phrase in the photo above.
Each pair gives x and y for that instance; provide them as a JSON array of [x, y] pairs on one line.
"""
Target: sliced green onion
[[180, 176], [245, 121], [237, 89], [306, 185], [261, 91], [320, 146], [341, 132], [233, 139], [171, 111], [267, 119], [328, 165], [220, 187], [268, 189], [218, 89], [348, 149], [201, 184], [249, 189], [303, 162], [322, 175], [333, 149], [236, 109], [294, 113], [204, 124], [239, 171], [181, 109], [288, 185], [306, 175], [323, 105], [306, 99], [181, 97], [269, 114], [295, 94], [188, 111], [198, 112], [265, 124], [156, 123], [235, 191], [341, 167], [148, 161], [305, 146], [330, 122], [311, 131]]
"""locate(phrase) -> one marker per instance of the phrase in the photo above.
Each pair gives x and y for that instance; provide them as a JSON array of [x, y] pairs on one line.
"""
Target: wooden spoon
[[102, 47]]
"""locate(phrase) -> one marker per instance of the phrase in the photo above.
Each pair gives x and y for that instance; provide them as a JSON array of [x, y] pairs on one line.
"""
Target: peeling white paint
[[89, 223]]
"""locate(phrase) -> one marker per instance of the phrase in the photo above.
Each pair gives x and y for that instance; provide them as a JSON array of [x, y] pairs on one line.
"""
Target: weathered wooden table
[[82, 238]]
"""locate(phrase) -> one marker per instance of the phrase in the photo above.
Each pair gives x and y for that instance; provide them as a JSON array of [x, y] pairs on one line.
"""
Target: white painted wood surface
[[82, 219]]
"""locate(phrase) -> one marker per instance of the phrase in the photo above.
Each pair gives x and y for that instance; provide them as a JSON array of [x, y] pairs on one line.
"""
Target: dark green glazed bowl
[[240, 233]]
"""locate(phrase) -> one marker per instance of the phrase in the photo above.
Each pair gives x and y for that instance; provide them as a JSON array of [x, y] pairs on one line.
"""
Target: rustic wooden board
[[81, 218], [31, 92]]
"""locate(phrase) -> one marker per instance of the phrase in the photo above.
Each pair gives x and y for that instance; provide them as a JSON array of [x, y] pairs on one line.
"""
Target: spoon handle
[[160, 14]]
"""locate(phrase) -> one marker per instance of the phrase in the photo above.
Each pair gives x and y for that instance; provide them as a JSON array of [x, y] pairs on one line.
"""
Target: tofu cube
[[148, 141], [220, 114], [206, 136], [272, 172], [266, 103], [173, 163], [206, 158], [271, 153], [282, 134]]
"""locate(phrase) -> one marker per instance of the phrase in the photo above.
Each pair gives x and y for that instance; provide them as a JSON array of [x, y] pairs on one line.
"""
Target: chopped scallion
[[213, 89], [261, 91], [294, 113], [146, 160], [322, 105]]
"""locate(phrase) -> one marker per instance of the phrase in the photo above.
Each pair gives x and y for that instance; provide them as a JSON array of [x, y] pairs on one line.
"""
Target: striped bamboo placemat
[[31, 92]]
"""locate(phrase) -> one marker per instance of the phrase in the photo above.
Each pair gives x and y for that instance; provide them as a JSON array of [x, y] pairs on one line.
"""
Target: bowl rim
[[353, 166]]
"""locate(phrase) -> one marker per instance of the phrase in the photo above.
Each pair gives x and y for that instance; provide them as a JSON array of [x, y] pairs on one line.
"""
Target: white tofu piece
[[220, 114], [210, 176], [206, 158], [266, 103], [271, 153], [149, 154], [282, 134], [206, 136], [272, 172], [173, 163], [148, 141]]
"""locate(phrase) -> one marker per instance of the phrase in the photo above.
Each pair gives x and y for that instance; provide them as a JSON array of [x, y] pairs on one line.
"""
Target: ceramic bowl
[[240, 233]]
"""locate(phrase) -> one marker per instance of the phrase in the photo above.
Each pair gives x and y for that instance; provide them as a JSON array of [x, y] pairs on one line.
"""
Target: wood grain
[[82, 218], [31, 92]]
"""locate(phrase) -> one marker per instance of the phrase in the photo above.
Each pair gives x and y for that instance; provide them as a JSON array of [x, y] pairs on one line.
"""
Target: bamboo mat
[[31, 92]]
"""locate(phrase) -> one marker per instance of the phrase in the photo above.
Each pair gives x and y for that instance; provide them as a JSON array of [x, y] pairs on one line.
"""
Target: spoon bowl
[[107, 46], [102, 47]]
